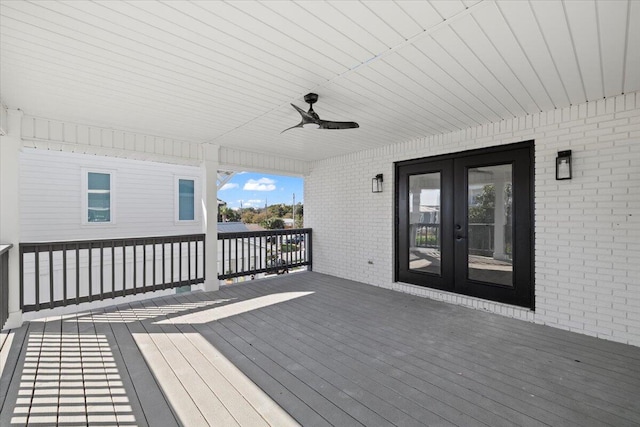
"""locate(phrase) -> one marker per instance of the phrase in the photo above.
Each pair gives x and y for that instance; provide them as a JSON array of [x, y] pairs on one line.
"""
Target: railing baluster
[[77, 273], [64, 275], [197, 241], [180, 262], [224, 256], [135, 268], [113, 269], [173, 277], [243, 257], [124, 268], [90, 270], [154, 265], [37, 259], [309, 251], [255, 255], [164, 264], [144, 263], [51, 297], [101, 271], [189, 259]]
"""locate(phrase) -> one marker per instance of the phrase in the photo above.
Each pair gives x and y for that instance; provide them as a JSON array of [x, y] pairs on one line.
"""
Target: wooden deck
[[315, 350]]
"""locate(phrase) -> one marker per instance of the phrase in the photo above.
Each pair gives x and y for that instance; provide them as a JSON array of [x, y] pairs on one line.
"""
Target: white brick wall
[[587, 230]]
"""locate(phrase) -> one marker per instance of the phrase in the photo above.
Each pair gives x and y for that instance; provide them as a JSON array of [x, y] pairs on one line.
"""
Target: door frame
[[400, 199]]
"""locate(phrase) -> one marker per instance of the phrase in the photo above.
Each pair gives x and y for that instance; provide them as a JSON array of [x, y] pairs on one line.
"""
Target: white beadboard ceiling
[[224, 72]]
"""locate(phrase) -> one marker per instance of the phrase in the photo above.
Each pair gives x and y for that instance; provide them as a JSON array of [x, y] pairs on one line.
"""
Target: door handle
[[459, 238]]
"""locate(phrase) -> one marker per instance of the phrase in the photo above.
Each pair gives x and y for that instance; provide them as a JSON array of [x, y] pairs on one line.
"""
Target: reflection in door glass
[[489, 232], [424, 223]]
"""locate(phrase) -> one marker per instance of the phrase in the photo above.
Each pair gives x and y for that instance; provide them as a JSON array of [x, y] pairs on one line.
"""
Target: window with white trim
[[186, 206], [98, 199]]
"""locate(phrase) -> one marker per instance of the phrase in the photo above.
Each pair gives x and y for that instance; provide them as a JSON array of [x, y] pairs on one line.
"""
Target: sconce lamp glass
[[563, 165], [376, 184]]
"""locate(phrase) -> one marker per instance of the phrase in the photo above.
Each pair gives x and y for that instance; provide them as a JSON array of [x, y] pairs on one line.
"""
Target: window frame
[[176, 199], [84, 211]]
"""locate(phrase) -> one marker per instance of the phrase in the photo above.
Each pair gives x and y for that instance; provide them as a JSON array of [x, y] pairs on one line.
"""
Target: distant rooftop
[[234, 227]]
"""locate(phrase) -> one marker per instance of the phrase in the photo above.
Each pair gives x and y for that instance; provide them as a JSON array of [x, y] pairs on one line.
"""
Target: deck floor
[[313, 350]]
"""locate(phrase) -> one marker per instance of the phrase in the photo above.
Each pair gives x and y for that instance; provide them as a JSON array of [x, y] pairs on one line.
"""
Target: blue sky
[[254, 189]]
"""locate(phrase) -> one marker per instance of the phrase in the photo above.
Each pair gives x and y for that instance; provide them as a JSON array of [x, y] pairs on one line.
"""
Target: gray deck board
[[140, 386], [187, 412], [125, 395], [322, 350], [432, 385], [231, 387], [484, 350], [305, 333], [13, 350], [15, 403]]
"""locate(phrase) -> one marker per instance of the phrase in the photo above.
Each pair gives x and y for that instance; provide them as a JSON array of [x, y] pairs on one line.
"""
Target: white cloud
[[251, 203], [229, 186], [262, 184]]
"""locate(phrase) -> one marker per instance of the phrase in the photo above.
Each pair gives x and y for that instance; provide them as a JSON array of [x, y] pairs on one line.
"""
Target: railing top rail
[[5, 247], [280, 232], [118, 241]]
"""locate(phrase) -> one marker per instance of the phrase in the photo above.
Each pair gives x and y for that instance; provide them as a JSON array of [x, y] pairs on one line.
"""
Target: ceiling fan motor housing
[[311, 98]]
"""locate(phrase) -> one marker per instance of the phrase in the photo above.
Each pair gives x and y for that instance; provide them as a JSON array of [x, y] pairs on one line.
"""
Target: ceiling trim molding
[[247, 161], [39, 132]]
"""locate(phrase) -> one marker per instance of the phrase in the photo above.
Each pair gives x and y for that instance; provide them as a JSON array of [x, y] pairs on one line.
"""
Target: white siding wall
[[587, 230], [51, 195]]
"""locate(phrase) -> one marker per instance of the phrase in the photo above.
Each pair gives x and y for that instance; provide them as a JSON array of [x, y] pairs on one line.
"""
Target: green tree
[[248, 216], [299, 219], [483, 211], [279, 210], [229, 215], [273, 223]]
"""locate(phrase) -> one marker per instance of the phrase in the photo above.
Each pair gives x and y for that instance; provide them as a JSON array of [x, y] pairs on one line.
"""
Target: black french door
[[464, 223]]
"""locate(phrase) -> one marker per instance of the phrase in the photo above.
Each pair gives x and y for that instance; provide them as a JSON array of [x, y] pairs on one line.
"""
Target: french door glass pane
[[425, 238], [489, 232]]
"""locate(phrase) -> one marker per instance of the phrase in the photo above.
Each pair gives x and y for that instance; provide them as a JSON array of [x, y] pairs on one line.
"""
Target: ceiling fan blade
[[325, 124], [312, 120], [299, 125], [306, 117]]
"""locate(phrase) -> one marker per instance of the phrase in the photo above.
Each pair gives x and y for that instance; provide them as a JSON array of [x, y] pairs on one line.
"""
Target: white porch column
[[210, 214], [10, 147]]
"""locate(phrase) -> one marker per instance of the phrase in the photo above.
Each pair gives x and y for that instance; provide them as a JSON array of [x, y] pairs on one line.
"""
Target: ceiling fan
[[311, 120]]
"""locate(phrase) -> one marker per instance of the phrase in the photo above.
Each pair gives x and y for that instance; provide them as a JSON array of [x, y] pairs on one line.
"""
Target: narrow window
[[186, 200], [98, 197]]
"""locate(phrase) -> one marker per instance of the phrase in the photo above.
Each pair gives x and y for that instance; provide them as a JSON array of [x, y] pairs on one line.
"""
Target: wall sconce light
[[563, 165], [376, 184]]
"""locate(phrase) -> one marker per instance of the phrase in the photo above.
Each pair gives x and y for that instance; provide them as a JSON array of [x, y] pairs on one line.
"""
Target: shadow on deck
[[315, 350]]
